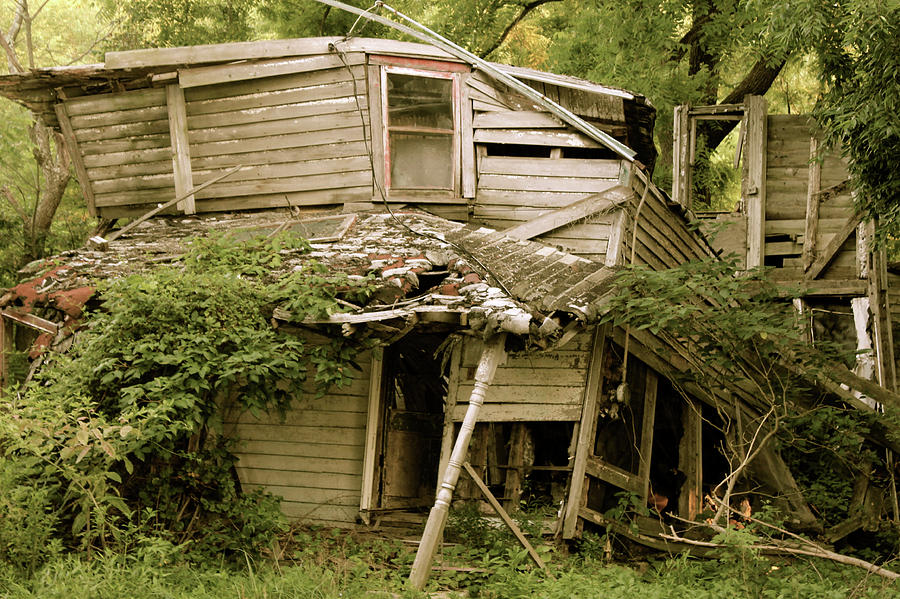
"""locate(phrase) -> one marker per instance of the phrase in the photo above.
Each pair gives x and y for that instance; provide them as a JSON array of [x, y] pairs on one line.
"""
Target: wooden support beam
[[30, 320], [770, 469], [814, 182], [515, 475], [517, 532], [754, 183], [7, 346], [690, 461], [586, 432], [605, 200], [373, 422], [68, 133], [613, 475], [493, 354], [834, 245], [879, 304], [681, 170], [181, 151], [651, 387]]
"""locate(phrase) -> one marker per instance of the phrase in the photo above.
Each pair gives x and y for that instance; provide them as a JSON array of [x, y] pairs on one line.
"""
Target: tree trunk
[[53, 164]]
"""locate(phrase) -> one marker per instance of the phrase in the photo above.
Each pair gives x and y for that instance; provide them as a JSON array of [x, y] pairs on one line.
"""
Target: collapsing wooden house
[[509, 211]]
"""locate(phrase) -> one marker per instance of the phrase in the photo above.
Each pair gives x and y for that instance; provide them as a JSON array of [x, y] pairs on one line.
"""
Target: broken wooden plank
[[373, 413], [613, 475], [170, 203], [603, 201], [831, 250], [515, 475], [754, 187], [181, 149], [651, 386], [690, 461], [32, 321], [504, 515], [243, 71], [586, 431], [812, 204], [81, 173]]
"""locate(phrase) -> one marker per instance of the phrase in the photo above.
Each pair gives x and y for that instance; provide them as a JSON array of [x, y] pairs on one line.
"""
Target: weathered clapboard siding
[[663, 240], [313, 457], [125, 144], [513, 190], [542, 387], [788, 163], [299, 137]]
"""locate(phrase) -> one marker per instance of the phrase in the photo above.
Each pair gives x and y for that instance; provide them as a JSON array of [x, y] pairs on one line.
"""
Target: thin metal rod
[[427, 35]]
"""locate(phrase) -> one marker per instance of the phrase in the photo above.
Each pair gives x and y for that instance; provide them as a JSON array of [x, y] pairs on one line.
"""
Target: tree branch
[[526, 9]]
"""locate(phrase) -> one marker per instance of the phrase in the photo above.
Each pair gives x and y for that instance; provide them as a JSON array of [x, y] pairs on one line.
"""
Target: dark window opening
[[518, 150], [590, 153]]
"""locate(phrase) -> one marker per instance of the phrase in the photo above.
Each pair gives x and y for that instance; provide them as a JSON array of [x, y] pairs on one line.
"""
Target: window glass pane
[[419, 102], [421, 161]]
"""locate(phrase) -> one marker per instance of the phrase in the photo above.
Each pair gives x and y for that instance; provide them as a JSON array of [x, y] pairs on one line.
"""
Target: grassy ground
[[332, 564]]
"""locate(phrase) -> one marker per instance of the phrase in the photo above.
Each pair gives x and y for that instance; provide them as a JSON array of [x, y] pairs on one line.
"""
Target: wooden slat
[[302, 464], [229, 73], [118, 158], [527, 376], [324, 513], [514, 119], [520, 412], [814, 182], [490, 201], [586, 432], [534, 394], [277, 127], [830, 250], [605, 201], [302, 87], [754, 186], [308, 154], [105, 103], [352, 132], [144, 142], [181, 151], [468, 178], [324, 197], [552, 184], [300, 448], [137, 169], [649, 418], [373, 423], [120, 117], [156, 57], [613, 475], [281, 170], [72, 146], [125, 131], [344, 482], [310, 417], [534, 138], [263, 114], [550, 167], [308, 434], [311, 495]]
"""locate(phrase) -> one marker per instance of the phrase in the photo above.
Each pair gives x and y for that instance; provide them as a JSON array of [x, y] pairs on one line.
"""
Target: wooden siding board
[[117, 158], [261, 114], [229, 73], [550, 167], [294, 463], [553, 184], [266, 129], [207, 99], [125, 131], [535, 138], [104, 103], [285, 200], [348, 133], [144, 142], [84, 179]]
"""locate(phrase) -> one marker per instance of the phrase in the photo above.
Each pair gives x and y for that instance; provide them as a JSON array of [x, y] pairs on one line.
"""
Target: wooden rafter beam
[[605, 200], [30, 320], [833, 246]]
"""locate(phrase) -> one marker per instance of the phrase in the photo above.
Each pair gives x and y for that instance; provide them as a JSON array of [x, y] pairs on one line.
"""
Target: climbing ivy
[[125, 431]]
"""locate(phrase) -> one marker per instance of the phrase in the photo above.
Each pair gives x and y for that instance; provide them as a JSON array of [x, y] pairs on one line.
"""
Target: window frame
[[454, 77]]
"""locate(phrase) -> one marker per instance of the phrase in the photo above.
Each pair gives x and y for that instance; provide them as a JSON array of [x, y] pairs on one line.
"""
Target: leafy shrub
[[124, 433]]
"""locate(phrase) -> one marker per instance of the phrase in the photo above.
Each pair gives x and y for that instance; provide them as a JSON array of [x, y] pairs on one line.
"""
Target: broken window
[[420, 133]]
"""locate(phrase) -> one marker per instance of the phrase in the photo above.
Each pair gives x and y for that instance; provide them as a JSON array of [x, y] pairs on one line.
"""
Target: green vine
[[126, 428]]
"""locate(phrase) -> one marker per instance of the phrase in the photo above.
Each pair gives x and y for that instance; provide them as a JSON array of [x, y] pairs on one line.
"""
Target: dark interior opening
[[517, 150], [414, 389]]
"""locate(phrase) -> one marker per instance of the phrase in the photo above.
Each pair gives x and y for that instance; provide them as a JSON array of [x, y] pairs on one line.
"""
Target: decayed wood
[[649, 418], [168, 204], [754, 185], [7, 346], [690, 461], [812, 204], [550, 167], [466, 144], [32, 321], [514, 119], [68, 133], [196, 77], [614, 475], [521, 412], [105, 103], [181, 151], [606, 200], [681, 171], [451, 406], [534, 137], [516, 474], [831, 250], [504, 515], [367, 492], [879, 303], [615, 252], [493, 354], [586, 431]]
